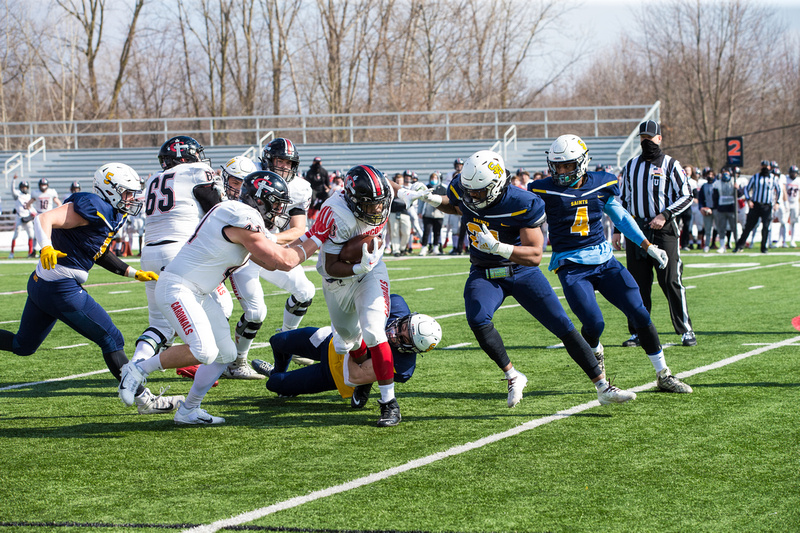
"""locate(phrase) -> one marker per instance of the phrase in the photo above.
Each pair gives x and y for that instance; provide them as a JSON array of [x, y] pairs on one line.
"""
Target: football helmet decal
[[268, 193], [239, 167], [414, 333], [484, 179], [367, 193], [281, 148], [568, 150], [181, 149], [119, 185]]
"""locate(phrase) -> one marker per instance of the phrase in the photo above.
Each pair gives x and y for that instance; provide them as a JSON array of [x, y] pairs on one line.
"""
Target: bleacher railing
[[337, 128]]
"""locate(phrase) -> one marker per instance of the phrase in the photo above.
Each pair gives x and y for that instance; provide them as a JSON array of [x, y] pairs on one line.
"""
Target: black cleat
[[390, 413], [262, 367], [633, 341], [360, 396], [688, 339]]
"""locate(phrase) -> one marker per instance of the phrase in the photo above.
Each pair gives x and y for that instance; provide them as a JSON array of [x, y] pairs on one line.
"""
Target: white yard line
[[455, 450]]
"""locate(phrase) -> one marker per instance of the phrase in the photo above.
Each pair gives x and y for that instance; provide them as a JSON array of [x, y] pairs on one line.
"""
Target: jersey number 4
[[580, 225], [160, 195]]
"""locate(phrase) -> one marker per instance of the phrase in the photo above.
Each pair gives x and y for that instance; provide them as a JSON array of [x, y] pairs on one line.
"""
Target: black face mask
[[650, 150]]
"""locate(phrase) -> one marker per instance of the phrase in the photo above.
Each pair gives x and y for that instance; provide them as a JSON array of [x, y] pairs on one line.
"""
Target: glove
[[368, 260], [321, 228], [272, 237], [486, 242], [49, 257], [410, 196], [658, 254], [145, 275]]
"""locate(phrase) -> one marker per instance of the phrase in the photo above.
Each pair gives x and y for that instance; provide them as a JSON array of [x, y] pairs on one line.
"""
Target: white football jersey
[[20, 201], [793, 190], [345, 226], [171, 208], [45, 201], [208, 258], [299, 191]]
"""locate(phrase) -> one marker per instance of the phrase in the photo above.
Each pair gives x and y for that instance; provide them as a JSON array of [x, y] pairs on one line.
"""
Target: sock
[[144, 350], [601, 384], [149, 366], [387, 392], [511, 373], [204, 379], [30, 246], [360, 351], [383, 362], [13, 243], [290, 320], [659, 363]]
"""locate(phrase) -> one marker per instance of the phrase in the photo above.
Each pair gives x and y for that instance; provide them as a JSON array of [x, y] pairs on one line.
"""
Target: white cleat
[[131, 377], [612, 394], [239, 369], [195, 417], [515, 387], [599, 355], [149, 404]]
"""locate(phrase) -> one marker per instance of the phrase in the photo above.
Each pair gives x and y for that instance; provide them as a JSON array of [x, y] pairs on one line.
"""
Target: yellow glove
[[49, 257], [146, 275]]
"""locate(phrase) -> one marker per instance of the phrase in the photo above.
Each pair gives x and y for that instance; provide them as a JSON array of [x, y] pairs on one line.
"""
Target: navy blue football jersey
[[85, 244], [517, 209], [575, 216]]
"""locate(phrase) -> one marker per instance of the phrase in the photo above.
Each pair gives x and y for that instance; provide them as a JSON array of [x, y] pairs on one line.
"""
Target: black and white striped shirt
[[648, 191], [763, 189]]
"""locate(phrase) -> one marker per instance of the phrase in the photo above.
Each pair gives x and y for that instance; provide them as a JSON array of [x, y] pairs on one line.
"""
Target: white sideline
[[456, 450]]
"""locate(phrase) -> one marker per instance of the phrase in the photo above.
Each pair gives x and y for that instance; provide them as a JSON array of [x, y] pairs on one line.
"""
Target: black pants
[[686, 227], [431, 224], [641, 267], [759, 211]]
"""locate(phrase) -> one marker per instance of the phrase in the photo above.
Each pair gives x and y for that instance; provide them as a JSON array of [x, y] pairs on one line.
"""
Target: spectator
[[724, 195], [655, 191], [416, 228], [686, 218], [762, 193], [432, 220], [452, 222], [399, 221], [706, 203], [317, 177]]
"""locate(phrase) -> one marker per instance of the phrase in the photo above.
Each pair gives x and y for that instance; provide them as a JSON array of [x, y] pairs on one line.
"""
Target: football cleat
[[390, 413], [612, 394], [196, 416], [599, 354], [190, 371], [515, 386], [262, 367], [131, 377], [688, 339], [669, 383], [239, 369], [633, 341], [148, 403], [360, 396]]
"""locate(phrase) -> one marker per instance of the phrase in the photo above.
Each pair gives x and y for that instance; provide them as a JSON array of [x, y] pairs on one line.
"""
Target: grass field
[[724, 458]]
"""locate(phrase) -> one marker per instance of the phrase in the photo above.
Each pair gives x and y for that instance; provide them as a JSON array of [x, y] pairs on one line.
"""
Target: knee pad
[[247, 329], [155, 339], [297, 308]]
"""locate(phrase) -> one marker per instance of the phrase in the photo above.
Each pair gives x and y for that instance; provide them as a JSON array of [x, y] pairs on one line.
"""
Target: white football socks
[[387, 392], [659, 363]]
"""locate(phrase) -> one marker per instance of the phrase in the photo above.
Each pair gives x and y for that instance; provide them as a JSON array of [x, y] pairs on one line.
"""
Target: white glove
[[486, 242], [272, 237], [658, 254], [368, 260], [410, 196]]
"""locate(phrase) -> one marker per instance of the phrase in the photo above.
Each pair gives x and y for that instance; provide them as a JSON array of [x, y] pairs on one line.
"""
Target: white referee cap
[[649, 127]]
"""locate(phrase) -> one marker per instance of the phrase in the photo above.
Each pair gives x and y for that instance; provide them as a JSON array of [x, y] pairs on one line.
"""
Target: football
[[351, 251]]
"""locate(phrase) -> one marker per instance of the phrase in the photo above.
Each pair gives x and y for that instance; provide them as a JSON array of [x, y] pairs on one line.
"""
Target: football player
[[574, 202], [48, 198], [222, 242], [175, 200], [409, 334], [358, 294], [503, 226], [793, 202], [25, 214], [75, 236]]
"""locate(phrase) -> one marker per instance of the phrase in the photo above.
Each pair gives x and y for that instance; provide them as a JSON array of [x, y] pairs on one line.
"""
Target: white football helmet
[[239, 168], [484, 179], [414, 333], [113, 180], [568, 149]]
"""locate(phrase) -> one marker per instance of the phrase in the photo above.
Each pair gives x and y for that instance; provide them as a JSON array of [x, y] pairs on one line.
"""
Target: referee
[[655, 191], [762, 193]]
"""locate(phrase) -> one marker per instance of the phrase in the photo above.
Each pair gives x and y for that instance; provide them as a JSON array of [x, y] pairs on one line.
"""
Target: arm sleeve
[[209, 194], [112, 263], [623, 221]]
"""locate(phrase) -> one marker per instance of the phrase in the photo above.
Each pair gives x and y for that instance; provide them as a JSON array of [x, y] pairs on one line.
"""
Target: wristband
[[303, 237], [305, 255], [434, 200], [505, 250], [317, 241], [131, 273]]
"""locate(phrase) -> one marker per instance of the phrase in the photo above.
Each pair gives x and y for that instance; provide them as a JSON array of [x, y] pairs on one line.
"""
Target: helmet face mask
[[568, 160], [43, 185], [284, 151], [24, 187], [233, 174], [268, 193], [181, 149], [367, 193], [119, 185], [484, 179], [414, 333]]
